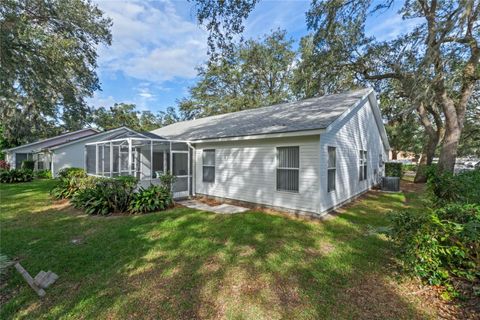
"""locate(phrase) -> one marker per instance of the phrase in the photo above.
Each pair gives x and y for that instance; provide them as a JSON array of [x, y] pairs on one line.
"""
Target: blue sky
[[157, 45]]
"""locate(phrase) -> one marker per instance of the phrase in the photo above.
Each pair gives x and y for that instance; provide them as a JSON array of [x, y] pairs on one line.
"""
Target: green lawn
[[184, 264]]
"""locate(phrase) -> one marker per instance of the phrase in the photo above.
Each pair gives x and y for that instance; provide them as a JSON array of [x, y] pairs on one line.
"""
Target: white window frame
[[363, 165], [287, 168], [209, 166], [332, 168]]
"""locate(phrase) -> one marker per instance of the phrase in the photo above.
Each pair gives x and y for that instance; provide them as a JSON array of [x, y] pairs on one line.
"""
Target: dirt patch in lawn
[[407, 186]]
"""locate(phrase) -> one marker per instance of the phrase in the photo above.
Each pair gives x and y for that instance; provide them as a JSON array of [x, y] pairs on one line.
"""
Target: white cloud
[[151, 42], [389, 27]]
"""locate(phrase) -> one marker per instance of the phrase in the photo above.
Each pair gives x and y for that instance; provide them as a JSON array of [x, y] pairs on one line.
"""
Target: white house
[[307, 156], [63, 151]]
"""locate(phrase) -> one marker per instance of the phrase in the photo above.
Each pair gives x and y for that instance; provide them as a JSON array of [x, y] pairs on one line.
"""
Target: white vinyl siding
[[246, 170], [356, 131], [288, 165], [208, 166]]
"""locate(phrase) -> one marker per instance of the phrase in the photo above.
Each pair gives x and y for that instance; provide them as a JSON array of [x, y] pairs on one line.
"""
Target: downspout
[[194, 156], [53, 162]]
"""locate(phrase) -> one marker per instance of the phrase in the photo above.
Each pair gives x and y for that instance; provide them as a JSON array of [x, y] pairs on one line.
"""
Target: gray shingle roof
[[309, 114]]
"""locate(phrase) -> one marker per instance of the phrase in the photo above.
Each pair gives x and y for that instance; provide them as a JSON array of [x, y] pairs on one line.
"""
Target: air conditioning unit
[[391, 184]]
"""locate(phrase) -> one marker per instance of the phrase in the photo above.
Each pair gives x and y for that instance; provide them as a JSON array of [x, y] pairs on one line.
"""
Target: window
[[40, 161], [288, 166], [208, 159], [380, 160], [332, 168], [363, 165]]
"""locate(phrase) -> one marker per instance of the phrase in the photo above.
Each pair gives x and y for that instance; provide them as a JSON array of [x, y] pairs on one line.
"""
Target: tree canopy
[[435, 66], [255, 73], [48, 61]]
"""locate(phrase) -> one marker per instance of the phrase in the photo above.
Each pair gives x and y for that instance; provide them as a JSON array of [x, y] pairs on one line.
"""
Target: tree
[[48, 60], [437, 64], [255, 74], [444, 48], [404, 132], [313, 74], [125, 115]]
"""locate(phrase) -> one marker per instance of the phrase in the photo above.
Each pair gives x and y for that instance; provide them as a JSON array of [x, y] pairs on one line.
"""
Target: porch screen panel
[[180, 184], [100, 159], [179, 146], [91, 159], [288, 166], [116, 160], [180, 164], [124, 160], [106, 159]]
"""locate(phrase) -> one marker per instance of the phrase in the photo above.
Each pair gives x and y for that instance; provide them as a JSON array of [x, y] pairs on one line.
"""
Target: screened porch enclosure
[[145, 159]]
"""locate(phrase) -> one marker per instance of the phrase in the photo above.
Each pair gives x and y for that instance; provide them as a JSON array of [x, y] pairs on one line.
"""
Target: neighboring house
[[63, 151], [307, 156]]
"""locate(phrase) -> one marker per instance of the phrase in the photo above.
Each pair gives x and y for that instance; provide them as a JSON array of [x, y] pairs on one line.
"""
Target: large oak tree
[[48, 52]]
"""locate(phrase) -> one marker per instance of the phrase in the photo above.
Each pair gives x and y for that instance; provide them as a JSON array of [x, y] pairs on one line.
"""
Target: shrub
[[28, 164], [4, 165], [16, 175], [153, 198], [447, 187], [67, 187], [409, 167], [43, 174], [439, 244], [106, 196], [68, 173], [393, 169], [92, 201], [167, 180]]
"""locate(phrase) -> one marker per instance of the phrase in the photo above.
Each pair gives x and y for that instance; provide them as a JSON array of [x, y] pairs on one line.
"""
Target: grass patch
[[183, 263]]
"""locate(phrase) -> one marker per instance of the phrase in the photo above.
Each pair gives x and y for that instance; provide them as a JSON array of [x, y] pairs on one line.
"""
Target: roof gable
[[57, 140]]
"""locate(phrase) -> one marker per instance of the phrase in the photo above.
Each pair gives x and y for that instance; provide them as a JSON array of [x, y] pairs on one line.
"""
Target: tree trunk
[[394, 154], [426, 158], [454, 117], [448, 152]]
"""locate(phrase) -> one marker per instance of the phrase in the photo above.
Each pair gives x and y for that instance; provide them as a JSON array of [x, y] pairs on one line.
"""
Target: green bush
[[167, 180], [106, 196], [28, 165], [68, 173], [439, 244], [393, 169], [447, 187], [16, 175], [153, 198], [43, 174], [409, 167], [67, 187]]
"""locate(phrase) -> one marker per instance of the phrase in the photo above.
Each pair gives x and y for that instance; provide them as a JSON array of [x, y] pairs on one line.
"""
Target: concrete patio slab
[[223, 208]]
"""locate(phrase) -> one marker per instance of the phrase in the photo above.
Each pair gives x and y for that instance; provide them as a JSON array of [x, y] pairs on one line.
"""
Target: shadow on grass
[[184, 264]]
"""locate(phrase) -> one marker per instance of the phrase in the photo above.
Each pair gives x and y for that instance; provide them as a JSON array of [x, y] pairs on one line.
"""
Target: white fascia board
[[378, 120], [264, 136]]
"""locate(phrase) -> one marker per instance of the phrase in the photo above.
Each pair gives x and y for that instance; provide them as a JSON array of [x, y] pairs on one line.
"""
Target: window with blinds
[[363, 165], [208, 165], [332, 168], [288, 167]]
